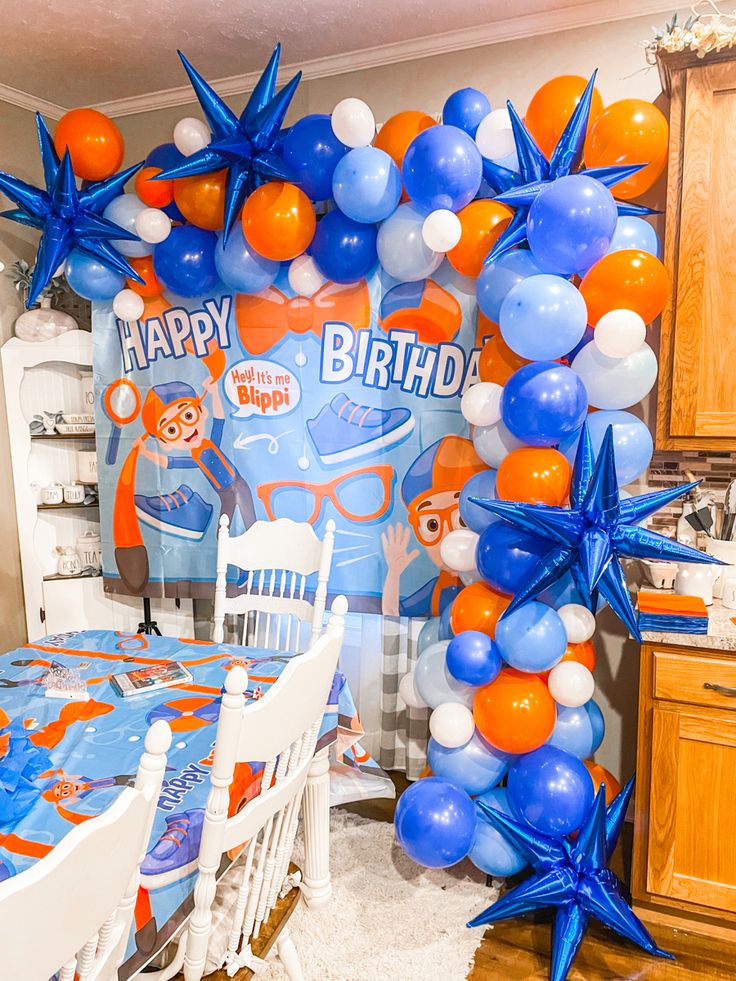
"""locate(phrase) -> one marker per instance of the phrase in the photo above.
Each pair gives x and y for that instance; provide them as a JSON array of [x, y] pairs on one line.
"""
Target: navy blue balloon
[[442, 168], [505, 556], [166, 156], [474, 767], [344, 250], [578, 731], [435, 823], [491, 852], [185, 261], [481, 484], [550, 790], [473, 658], [312, 151], [544, 403], [465, 109]]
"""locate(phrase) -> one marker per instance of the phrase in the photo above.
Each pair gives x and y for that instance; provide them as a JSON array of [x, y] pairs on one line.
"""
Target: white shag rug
[[388, 918]]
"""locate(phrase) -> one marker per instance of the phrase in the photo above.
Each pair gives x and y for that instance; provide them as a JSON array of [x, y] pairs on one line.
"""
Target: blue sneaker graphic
[[344, 430], [176, 852], [183, 513]]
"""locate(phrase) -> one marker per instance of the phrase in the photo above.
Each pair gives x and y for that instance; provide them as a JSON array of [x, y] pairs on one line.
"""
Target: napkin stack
[[667, 613]]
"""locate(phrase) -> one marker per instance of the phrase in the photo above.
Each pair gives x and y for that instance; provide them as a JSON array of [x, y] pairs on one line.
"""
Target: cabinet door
[[76, 604], [692, 847]]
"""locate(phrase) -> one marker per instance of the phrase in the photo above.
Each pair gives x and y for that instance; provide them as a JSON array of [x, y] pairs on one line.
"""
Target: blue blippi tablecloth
[[62, 762]]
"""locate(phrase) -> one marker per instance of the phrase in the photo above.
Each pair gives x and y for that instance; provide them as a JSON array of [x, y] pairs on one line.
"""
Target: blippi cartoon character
[[431, 492], [69, 789]]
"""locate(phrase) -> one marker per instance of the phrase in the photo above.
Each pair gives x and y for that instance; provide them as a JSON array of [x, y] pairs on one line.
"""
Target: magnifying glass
[[122, 402]]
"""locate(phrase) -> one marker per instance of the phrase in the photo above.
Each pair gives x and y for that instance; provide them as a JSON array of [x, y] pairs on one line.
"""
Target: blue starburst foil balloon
[[519, 190], [247, 146], [591, 537], [67, 217], [573, 877]]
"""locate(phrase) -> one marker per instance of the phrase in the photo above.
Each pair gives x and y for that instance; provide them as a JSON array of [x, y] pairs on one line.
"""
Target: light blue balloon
[[239, 266], [632, 441], [634, 233], [475, 767], [428, 635], [578, 731], [543, 317], [494, 443], [616, 383], [366, 184], [123, 211], [90, 279], [532, 638], [434, 682], [497, 278], [490, 851], [481, 484], [401, 248]]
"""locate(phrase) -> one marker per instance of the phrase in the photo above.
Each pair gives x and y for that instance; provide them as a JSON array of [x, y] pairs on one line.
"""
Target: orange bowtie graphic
[[266, 318]]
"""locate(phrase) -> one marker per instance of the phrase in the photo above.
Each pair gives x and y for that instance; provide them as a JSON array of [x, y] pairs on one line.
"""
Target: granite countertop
[[721, 631]]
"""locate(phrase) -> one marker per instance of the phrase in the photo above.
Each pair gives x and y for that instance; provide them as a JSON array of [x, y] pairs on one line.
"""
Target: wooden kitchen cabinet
[[697, 382], [684, 866]]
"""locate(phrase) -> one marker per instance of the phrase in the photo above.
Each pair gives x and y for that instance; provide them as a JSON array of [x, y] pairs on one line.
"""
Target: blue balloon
[[312, 151], [481, 484], [505, 556], [571, 223], [185, 261], [428, 635], [435, 823], [473, 658], [366, 184], [550, 790], [401, 247], [465, 109], [490, 851], [446, 631], [240, 267], [532, 638], [123, 211], [474, 767], [578, 731], [543, 317], [544, 403], [585, 339], [442, 168], [632, 442], [90, 279], [344, 250], [497, 278], [634, 233], [165, 156]]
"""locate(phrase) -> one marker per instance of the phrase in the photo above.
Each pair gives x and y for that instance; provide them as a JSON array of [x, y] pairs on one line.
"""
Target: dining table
[[63, 760]]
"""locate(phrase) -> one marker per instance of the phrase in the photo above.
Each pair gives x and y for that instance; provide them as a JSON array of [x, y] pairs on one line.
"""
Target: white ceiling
[[86, 52]]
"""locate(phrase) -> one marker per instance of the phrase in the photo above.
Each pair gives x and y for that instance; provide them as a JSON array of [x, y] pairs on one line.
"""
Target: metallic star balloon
[[67, 217], [518, 190], [248, 146], [591, 537], [573, 877]]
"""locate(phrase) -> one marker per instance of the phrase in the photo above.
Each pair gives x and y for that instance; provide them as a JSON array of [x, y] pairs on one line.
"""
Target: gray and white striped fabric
[[404, 730]]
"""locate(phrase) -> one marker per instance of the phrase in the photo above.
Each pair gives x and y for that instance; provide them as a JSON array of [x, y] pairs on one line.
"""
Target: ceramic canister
[[69, 564], [52, 494], [87, 466], [74, 493], [89, 549]]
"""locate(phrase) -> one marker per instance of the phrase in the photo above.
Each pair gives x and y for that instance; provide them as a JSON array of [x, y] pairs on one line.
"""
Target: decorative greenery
[[42, 420], [21, 274]]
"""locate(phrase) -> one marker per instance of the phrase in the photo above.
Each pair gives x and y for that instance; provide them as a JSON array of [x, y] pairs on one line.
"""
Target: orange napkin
[[668, 603]]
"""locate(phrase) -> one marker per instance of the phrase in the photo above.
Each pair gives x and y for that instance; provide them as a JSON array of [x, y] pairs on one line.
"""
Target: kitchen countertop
[[721, 634]]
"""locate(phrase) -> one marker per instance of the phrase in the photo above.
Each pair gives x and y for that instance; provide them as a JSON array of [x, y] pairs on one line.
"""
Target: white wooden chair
[[277, 556], [72, 911]]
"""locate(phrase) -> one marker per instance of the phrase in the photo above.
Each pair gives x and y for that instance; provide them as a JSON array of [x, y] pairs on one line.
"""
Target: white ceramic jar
[[87, 466], [68, 564], [89, 549], [52, 494], [696, 579], [74, 493]]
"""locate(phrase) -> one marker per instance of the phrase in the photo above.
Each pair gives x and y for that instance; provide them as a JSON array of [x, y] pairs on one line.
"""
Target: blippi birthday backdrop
[[254, 361]]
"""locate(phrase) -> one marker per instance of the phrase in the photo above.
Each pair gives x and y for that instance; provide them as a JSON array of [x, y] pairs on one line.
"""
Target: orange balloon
[[631, 131], [278, 221], [154, 307], [601, 775], [626, 280], [477, 607], [553, 104], [426, 772], [536, 475], [156, 194], [583, 653], [143, 265], [397, 133], [201, 199], [94, 142], [496, 362], [482, 222], [515, 713]]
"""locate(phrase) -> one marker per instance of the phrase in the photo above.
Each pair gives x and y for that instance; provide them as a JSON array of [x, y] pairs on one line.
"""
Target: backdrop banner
[[344, 405]]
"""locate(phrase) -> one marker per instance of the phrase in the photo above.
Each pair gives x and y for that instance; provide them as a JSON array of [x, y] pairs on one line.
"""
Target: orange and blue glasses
[[362, 495]]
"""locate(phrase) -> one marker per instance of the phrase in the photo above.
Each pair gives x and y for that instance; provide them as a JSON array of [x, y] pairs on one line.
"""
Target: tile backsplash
[[668, 468]]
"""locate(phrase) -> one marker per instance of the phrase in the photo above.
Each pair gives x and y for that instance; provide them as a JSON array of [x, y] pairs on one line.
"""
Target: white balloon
[[471, 576], [128, 305], [409, 694], [494, 443], [481, 404], [152, 225], [353, 122], [190, 135], [494, 136], [616, 383], [441, 230], [304, 276], [452, 725], [619, 333], [571, 684], [457, 549], [579, 622]]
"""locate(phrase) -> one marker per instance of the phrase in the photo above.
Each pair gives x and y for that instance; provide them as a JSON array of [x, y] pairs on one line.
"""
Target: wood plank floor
[[519, 950]]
